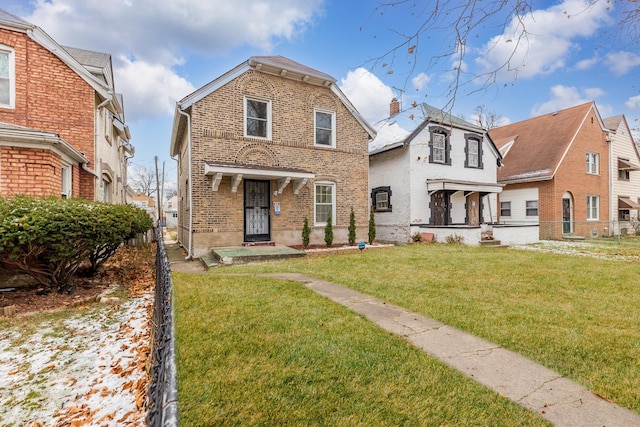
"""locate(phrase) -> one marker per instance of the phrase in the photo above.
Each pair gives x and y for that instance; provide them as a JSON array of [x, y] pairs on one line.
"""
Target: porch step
[[268, 243], [492, 244], [572, 237], [243, 254]]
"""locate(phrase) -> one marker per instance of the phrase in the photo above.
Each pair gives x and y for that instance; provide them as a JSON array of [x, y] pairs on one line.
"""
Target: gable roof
[[533, 149], [274, 65], [401, 128], [35, 33]]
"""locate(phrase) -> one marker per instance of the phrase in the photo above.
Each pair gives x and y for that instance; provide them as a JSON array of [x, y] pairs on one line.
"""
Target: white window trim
[[591, 198], [333, 203], [67, 180], [596, 158], [527, 208], [333, 128], [269, 117], [12, 76], [509, 208]]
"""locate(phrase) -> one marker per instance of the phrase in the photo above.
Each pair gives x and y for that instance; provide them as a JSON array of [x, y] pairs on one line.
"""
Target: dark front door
[[439, 208], [566, 216], [256, 211]]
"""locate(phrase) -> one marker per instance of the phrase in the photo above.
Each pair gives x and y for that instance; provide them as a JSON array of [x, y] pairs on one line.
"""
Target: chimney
[[394, 107]]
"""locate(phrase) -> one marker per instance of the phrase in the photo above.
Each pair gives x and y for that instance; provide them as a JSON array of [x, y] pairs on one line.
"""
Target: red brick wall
[[41, 169], [52, 97]]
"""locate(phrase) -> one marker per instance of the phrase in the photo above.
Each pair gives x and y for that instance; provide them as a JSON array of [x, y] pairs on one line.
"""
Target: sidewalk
[[541, 390]]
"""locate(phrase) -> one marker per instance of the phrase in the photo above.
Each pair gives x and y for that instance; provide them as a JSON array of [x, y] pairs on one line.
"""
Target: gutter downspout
[[190, 189]]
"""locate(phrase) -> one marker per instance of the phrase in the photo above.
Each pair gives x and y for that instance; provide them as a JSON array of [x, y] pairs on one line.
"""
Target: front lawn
[[577, 315]]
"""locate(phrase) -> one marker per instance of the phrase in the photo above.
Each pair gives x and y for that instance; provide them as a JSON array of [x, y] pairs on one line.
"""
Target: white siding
[[518, 199], [622, 146]]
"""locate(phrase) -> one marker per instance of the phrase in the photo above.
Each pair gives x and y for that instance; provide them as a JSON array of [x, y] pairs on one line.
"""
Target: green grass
[[270, 352], [576, 315]]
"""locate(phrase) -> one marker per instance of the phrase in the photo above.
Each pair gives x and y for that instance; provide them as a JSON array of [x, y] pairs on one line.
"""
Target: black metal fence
[[162, 396]]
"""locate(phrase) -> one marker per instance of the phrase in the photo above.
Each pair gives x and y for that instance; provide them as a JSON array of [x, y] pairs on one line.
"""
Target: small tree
[[328, 233], [352, 228], [372, 227], [306, 232]]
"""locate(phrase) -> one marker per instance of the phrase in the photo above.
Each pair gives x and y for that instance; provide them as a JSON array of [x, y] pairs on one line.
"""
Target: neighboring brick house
[[625, 173], [556, 172], [62, 129], [263, 146], [431, 172]]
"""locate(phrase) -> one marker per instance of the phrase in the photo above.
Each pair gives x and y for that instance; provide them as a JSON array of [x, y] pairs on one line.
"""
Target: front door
[[256, 211], [566, 216], [439, 208]]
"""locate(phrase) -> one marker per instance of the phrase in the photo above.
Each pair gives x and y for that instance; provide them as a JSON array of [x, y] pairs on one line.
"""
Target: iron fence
[[162, 396]]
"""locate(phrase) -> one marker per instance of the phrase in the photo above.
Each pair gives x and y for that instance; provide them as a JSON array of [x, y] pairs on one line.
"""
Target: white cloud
[[368, 94], [620, 63], [633, 103], [157, 36], [549, 40], [586, 64], [149, 88], [561, 97], [421, 81]]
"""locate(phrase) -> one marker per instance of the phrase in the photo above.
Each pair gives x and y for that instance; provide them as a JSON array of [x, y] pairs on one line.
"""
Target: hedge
[[49, 238]]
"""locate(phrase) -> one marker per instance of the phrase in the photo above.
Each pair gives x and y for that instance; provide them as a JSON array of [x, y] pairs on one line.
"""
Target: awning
[[297, 177], [627, 203], [451, 185], [627, 165]]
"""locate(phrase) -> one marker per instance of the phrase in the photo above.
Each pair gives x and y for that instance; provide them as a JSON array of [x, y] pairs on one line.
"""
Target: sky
[[164, 50]]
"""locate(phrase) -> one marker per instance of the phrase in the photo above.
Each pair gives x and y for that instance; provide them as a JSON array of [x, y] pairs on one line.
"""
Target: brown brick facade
[[49, 96], [218, 136]]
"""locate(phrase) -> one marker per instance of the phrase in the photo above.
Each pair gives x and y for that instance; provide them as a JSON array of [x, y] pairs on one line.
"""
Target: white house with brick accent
[[262, 147], [62, 127], [433, 173], [625, 172]]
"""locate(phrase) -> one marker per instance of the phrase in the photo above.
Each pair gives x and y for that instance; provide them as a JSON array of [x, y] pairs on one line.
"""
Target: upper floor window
[[439, 146], [325, 125], [624, 175], [381, 199], [505, 208], [325, 203], [593, 160], [7, 77], [106, 189], [257, 118], [473, 150], [592, 207]]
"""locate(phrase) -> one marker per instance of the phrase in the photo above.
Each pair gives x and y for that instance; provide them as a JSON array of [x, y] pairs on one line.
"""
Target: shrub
[[455, 239], [49, 238], [328, 233], [306, 232], [416, 237], [372, 227], [352, 228]]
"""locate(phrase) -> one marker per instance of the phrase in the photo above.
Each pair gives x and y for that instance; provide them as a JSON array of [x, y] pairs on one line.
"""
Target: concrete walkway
[[547, 393]]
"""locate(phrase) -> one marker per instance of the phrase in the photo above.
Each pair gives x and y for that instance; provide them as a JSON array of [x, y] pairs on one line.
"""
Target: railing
[[162, 396], [586, 229]]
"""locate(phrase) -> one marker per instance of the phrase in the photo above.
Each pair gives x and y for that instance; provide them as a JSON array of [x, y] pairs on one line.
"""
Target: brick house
[[263, 146], [62, 128], [432, 172], [556, 172], [625, 173]]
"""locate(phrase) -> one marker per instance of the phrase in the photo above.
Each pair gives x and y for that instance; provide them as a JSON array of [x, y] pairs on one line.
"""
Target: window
[[174, 215], [623, 174], [257, 118], [439, 146], [66, 181], [7, 77], [532, 207], [325, 203], [106, 189], [325, 125], [623, 215], [473, 150], [381, 199], [592, 163], [592, 207], [505, 208]]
